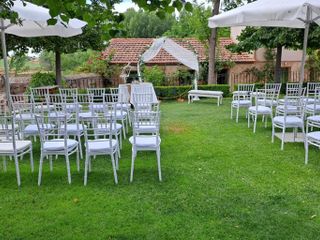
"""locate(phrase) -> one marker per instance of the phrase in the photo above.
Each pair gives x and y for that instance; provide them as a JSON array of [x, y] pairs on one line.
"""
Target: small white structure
[[183, 55], [195, 94]]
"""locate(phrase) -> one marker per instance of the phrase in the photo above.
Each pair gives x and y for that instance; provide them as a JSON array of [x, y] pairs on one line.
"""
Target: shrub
[[18, 63], [184, 77], [40, 79], [154, 75], [175, 92]]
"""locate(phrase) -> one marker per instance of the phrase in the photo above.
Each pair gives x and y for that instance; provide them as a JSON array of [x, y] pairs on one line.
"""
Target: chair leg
[[68, 168], [249, 121], [306, 146], [255, 123], [159, 164], [117, 159], [31, 159], [51, 163], [80, 146], [265, 121], [16, 161], [123, 129], [78, 159], [4, 164], [114, 169], [40, 169], [86, 170], [237, 117], [132, 164], [282, 137]]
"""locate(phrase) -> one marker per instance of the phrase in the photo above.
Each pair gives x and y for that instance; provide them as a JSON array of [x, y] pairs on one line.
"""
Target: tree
[[72, 8], [212, 46], [103, 22], [252, 38], [142, 24]]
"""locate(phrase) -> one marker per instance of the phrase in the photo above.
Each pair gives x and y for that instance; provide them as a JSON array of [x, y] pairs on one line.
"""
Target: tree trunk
[[212, 46], [58, 68], [277, 69]]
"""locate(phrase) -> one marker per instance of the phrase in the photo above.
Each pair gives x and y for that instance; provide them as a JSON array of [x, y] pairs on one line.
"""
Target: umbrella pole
[[5, 62], [305, 44]]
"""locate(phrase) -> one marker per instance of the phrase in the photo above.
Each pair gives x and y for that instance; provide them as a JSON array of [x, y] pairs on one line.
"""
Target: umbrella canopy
[[273, 13], [34, 24]]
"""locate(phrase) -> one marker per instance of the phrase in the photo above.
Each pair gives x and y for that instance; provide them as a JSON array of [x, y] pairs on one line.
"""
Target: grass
[[221, 181]]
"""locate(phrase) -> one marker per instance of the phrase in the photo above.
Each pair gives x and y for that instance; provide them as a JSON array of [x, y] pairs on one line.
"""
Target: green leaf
[[52, 21], [188, 7]]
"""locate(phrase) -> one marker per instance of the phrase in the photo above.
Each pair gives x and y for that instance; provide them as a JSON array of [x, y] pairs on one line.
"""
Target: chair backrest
[[275, 86], [146, 123], [124, 93], [85, 100], [142, 101], [293, 89], [69, 94], [246, 87], [97, 93], [263, 97], [293, 105], [311, 88], [7, 130], [55, 131], [101, 127], [20, 98]]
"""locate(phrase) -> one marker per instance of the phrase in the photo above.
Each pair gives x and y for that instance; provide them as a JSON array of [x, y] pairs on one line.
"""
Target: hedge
[[174, 92]]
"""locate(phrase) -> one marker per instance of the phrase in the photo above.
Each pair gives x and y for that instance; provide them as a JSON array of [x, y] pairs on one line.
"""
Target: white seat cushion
[[58, 144], [96, 106], [314, 135], [309, 100], [312, 107], [7, 147], [8, 127], [290, 109], [145, 141], [291, 121], [33, 128], [59, 115], [314, 118], [101, 145], [261, 110], [87, 114], [72, 106], [73, 128], [104, 126], [241, 103], [268, 102], [25, 116]]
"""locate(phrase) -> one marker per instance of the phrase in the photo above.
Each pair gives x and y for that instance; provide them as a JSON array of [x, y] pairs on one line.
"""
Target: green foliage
[[46, 60], [141, 24], [155, 75], [195, 24], [18, 63], [41, 79], [175, 92], [183, 77], [70, 62]]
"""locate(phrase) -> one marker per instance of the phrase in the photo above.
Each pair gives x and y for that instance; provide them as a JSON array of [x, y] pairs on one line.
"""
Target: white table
[[205, 93]]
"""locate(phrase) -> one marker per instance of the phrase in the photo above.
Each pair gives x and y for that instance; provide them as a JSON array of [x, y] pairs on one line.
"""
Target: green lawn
[[221, 181]]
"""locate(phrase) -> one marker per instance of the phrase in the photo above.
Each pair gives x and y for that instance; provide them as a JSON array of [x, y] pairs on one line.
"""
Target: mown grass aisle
[[220, 181]]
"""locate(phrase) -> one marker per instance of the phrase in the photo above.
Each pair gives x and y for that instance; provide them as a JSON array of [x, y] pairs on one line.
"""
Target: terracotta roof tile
[[125, 50]]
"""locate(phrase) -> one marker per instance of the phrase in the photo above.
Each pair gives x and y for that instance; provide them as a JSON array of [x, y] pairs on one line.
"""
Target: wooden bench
[[205, 93]]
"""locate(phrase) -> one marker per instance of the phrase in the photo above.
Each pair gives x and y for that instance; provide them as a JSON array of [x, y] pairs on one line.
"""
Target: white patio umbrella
[[273, 13], [34, 24]]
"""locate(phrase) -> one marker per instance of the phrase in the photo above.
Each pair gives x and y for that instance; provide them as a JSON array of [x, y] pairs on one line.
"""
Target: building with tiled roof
[[128, 50], [122, 51]]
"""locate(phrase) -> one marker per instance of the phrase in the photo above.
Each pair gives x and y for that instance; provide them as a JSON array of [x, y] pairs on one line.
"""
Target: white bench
[[205, 93]]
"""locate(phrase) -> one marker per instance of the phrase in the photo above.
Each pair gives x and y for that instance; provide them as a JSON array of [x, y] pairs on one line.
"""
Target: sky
[[122, 7]]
